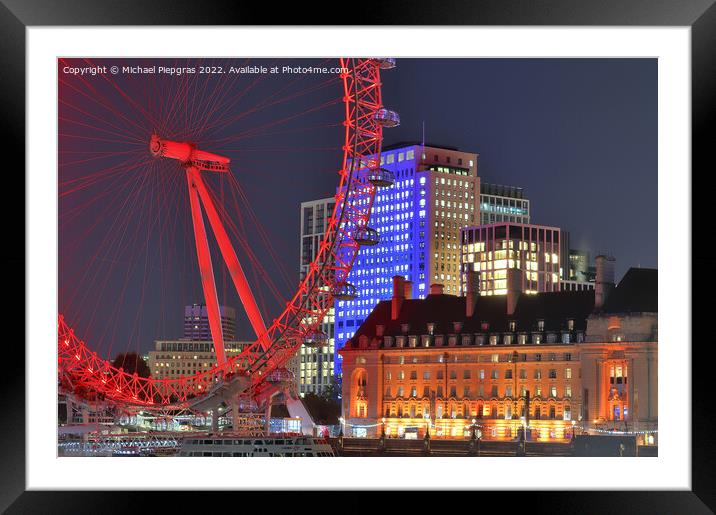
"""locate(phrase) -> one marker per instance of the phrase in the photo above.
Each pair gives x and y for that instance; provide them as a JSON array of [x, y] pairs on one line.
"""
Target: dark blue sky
[[579, 135]]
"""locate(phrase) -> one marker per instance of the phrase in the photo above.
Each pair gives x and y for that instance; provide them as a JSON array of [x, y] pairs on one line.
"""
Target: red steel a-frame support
[[194, 161]]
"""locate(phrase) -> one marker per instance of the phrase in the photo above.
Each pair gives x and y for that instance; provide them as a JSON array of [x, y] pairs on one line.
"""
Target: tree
[[131, 362], [322, 410], [333, 392]]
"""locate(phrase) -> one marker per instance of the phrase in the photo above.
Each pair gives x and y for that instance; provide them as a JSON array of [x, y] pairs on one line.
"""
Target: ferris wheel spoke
[[98, 99], [214, 106], [272, 101], [121, 131], [260, 128], [130, 101]]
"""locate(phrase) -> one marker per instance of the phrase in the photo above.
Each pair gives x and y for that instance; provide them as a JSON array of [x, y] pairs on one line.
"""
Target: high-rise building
[[580, 274], [436, 192], [313, 367], [500, 203], [564, 254], [314, 220], [512, 257], [580, 267], [196, 323]]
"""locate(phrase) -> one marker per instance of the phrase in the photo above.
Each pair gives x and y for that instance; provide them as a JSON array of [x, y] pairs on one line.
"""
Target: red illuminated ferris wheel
[[181, 156]]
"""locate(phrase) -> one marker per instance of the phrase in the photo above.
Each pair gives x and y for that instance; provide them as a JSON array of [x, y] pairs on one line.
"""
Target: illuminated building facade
[[172, 359], [552, 363], [436, 192], [580, 273], [196, 322], [512, 256], [579, 266], [500, 203], [620, 355], [313, 368]]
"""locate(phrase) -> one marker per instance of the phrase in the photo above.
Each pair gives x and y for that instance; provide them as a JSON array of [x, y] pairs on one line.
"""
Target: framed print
[[478, 220]]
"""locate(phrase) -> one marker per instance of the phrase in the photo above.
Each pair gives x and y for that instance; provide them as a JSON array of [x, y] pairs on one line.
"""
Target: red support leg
[[205, 269], [232, 262]]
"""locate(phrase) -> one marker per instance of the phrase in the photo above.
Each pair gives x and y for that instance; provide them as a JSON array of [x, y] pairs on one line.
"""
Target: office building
[[500, 203], [578, 265], [313, 367], [512, 256], [196, 323], [564, 242], [580, 273], [435, 193], [172, 359]]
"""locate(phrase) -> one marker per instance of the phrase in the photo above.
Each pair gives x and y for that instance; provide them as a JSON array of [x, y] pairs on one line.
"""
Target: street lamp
[[515, 358], [340, 433], [381, 443]]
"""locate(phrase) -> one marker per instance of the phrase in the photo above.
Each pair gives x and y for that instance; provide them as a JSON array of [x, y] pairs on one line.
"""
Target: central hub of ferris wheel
[[187, 154]]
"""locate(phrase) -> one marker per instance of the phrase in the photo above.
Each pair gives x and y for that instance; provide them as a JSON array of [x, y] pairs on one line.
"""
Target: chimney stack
[[436, 289], [604, 283], [408, 290], [473, 280], [514, 289], [399, 288]]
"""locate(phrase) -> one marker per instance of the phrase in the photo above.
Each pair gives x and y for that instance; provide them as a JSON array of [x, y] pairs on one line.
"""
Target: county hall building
[[555, 363]]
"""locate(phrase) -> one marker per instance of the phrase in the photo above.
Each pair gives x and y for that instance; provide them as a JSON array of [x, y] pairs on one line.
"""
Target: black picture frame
[[17, 15]]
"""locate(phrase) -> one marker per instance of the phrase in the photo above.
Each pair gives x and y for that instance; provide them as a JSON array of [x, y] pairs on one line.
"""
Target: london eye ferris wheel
[[146, 159]]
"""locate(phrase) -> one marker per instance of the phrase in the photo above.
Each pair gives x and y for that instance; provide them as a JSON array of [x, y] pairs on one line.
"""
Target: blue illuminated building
[[436, 192]]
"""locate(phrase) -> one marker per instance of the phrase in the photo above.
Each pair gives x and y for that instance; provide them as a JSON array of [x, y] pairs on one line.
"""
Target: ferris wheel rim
[[362, 144]]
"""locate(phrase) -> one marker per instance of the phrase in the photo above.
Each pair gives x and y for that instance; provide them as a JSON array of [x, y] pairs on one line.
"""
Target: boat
[[239, 447]]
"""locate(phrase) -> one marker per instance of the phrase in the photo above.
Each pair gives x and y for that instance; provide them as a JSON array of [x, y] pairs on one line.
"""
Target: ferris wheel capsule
[[387, 118], [315, 339], [381, 177], [366, 236], [384, 63], [345, 291], [280, 375]]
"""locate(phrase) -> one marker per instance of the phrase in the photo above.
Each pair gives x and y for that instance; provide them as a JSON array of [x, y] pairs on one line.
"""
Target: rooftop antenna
[[423, 143]]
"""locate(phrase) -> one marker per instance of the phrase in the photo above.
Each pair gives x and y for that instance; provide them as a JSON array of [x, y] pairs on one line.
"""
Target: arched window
[[358, 393]]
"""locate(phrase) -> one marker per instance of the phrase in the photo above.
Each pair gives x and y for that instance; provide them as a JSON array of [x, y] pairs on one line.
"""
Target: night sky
[[579, 135]]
